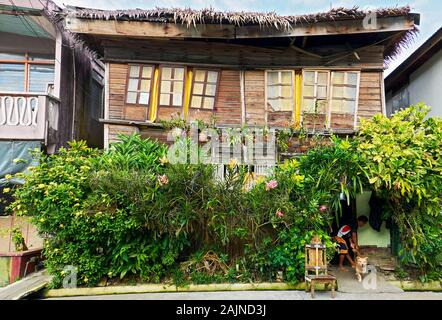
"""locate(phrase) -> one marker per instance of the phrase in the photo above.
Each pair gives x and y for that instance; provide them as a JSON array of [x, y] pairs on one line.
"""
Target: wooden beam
[[314, 55], [172, 30], [17, 10], [148, 29]]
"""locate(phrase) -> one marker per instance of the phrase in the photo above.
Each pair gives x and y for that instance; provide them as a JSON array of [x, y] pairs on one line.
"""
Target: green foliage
[[18, 240], [88, 213], [289, 254], [128, 212], [334, 169], [403, 162]]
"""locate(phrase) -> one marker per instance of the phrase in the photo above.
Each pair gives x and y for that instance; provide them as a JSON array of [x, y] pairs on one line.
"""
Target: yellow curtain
[[187, 92], [298, 96], [154, 104]]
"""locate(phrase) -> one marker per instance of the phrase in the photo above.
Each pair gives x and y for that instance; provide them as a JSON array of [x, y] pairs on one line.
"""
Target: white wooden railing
[[28, 116]]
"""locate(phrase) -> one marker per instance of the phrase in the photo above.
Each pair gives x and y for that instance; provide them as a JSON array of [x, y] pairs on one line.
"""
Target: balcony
[[28, 116]]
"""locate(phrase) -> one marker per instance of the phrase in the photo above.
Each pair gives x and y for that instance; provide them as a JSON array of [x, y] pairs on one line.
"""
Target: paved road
[[264, 295]]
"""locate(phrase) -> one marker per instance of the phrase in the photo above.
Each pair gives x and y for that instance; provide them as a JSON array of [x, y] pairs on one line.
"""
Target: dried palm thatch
[[191, 17], [54, 14]]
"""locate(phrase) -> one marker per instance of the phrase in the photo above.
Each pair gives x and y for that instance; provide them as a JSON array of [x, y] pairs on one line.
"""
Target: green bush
[[88, 213], [403, 163], [129, 212]]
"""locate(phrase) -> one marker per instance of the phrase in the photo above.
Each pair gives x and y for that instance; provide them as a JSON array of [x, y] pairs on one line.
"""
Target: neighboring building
[[418, 78], [51, 87]]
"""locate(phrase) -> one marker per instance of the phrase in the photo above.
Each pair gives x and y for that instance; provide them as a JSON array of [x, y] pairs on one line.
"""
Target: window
[[280, 90], [315, 91], [139, 84], [204, 89], [24, 72], [12, 77], [401, 100], [40, 76], [344, 90], [172, 86]]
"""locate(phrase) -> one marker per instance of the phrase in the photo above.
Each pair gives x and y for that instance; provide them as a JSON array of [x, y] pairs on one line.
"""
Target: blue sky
[[430, 10]]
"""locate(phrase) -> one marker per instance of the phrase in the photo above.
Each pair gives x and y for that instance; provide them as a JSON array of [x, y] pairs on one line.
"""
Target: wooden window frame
[[331, 72], [160, 79], [205, 83], [280, 85], [345, 85], [27, 63], [315, 90], [140, 78], [358, 85]]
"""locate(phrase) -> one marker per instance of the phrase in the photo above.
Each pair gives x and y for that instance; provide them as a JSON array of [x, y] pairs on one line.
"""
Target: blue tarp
[[15, 156]]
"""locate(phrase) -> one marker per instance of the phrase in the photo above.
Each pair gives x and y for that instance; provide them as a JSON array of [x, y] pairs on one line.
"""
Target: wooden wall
[[254, 93], [370, 94], [228, 103], [79, 110], [117, 88], [228, 109], [199, 52], [113, 130]]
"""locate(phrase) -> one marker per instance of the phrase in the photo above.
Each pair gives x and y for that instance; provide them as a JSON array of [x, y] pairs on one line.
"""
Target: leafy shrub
[[403, 163], [289, 254], [127, 211], [88, 214]]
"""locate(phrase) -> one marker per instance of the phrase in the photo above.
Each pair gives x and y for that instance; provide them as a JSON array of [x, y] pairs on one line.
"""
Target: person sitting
[[347, 236]]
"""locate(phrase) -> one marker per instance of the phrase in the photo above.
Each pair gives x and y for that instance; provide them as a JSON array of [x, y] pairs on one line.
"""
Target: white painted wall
[[426, 84]]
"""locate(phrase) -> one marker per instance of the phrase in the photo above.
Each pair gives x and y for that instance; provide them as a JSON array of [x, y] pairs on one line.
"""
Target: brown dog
[[361, 267]]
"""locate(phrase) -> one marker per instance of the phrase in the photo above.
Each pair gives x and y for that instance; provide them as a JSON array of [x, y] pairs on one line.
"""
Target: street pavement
[[263, 295]]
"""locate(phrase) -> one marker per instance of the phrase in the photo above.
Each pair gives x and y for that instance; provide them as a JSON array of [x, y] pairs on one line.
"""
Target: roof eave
[[399, 76]]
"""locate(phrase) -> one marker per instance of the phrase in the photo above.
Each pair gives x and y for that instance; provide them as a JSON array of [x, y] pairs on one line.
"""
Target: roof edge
[[431, 46]]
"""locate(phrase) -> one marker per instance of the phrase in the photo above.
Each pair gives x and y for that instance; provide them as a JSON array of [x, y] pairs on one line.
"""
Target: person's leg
[[343, 251], [350, 260], [341, 262]]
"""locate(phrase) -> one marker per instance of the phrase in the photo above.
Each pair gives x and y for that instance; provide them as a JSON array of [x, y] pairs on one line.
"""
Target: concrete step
[[22, 288]]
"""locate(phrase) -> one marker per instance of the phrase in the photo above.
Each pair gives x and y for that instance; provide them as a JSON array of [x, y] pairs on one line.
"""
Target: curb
[[161, 288], [417, 286], [157, 288]]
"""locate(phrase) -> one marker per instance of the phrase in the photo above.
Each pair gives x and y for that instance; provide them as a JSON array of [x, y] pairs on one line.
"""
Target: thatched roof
[[191, 17]]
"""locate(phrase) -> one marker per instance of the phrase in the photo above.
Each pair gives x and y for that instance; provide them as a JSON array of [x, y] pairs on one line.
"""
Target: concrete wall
[[367, 235], [426, 83], [424, 86]]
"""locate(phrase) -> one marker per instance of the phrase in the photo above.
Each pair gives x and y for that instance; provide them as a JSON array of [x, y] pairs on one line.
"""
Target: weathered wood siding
[[114, 130], [117, 88], [254, 96], [228, 102], [370, 95], [169, 113], [228, 105], [224, 54]]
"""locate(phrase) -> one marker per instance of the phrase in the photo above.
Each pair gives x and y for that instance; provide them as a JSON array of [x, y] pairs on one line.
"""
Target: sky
[[430, 10]]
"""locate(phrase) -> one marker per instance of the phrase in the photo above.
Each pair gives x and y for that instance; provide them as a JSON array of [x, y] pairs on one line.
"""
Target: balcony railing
[[28, 116]]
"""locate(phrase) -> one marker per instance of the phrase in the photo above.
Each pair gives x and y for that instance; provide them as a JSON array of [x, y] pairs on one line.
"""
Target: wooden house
[[322, 71]]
